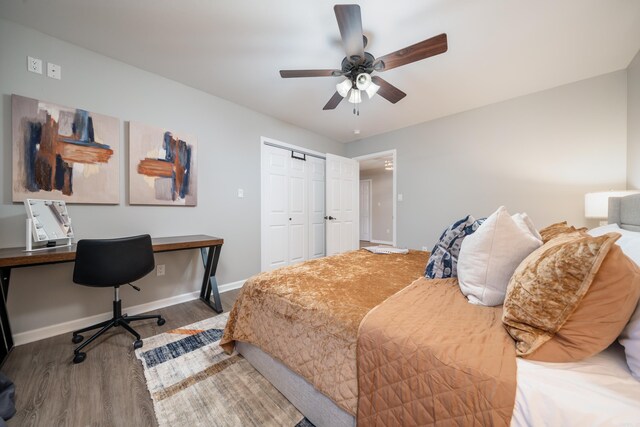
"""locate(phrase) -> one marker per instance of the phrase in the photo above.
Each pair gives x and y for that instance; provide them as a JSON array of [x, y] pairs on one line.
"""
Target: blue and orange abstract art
[[162, 167], [64, 153]]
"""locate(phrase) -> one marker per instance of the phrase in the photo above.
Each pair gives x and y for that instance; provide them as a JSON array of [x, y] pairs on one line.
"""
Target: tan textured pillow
[[549, 284], [554, 230]]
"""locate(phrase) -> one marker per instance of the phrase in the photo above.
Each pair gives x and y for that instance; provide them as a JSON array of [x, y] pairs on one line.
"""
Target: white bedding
[[598, 391]]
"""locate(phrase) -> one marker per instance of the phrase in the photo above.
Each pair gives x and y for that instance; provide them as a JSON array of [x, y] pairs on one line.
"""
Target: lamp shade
[[372, 90], [344, 87], [363, 81], [596, 205], [355, 97]]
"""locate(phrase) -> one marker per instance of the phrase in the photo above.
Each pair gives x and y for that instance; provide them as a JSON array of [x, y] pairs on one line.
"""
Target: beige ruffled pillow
[[555, 230], [549, 284]]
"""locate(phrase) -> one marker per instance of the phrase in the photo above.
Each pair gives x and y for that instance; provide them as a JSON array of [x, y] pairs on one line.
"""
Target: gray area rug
[[192, 382]]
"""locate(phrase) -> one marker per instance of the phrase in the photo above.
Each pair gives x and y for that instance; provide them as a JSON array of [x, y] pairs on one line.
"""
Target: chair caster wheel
[[161, 321], [137, 344], [79, 358], [77, 339]]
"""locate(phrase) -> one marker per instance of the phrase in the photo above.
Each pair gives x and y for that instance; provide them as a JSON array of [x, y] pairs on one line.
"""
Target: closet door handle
[[329, 217]]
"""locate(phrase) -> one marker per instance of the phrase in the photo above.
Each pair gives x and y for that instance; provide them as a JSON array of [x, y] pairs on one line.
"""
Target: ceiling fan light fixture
[[372, 90], [363, 81], [344, 87], [355, 96]]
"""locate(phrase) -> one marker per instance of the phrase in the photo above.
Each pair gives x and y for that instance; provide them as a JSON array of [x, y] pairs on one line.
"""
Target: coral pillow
[[601, 315], [489, 256], [570, 299], [630, 337]]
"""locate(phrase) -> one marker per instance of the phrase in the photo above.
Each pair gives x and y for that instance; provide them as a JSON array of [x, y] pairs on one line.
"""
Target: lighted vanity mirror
[[48, 221]]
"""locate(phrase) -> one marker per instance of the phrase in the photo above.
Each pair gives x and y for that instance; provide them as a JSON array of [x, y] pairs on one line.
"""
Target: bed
[[544, 392]]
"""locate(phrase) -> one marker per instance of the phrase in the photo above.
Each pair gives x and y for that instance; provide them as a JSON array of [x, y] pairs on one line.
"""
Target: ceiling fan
[[358, 65]]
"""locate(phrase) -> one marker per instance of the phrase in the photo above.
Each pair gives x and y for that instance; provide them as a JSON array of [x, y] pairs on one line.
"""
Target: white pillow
[[630, 336], [630, 339], [489, 257], [629, 242]]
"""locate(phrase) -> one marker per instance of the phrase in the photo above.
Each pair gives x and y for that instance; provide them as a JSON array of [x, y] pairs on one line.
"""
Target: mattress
[[598, 391]]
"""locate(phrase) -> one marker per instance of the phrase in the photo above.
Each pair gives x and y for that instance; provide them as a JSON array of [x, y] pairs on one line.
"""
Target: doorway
[[378, 198]]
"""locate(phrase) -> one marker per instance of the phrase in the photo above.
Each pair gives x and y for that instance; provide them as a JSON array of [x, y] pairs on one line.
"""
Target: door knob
[[329, 217]]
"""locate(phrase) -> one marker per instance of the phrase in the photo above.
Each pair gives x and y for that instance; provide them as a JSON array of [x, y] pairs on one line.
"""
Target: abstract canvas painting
[[64, 153], [162, 167]]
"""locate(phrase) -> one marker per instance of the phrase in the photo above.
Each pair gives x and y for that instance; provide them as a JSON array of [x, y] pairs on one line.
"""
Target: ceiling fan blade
[[387, 90], [285, 74], [333, 102], [350, 24], [426, 48]]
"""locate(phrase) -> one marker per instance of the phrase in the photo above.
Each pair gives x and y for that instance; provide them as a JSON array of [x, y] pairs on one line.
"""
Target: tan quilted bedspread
[[428, 357], [307, 315]]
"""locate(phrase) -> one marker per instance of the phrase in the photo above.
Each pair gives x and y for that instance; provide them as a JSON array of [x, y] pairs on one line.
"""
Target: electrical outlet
[[54, 71], [424, 248], [34, 65], [400, 197], [160, 270]]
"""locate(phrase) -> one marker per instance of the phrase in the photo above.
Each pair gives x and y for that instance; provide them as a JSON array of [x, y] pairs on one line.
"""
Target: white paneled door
[[293, 202], [342, 216], [275, 200], [316, 207], [365, 210]]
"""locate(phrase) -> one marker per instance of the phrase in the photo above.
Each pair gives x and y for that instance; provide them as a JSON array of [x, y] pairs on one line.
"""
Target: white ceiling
[[498, 49], [377, 163]]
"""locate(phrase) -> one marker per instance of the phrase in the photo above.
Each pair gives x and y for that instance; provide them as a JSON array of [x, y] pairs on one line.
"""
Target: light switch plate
[[240, 193], [34, 65], [54, 71], [400, 197]]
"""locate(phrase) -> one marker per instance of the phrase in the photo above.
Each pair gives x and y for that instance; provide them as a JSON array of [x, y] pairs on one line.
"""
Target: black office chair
[[112, 262]]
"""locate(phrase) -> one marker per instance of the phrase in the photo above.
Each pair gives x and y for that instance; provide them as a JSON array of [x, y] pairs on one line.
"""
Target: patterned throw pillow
[[444, 256]]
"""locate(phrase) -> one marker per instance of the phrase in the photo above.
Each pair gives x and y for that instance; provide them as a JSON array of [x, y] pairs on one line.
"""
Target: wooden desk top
[[18, 257]]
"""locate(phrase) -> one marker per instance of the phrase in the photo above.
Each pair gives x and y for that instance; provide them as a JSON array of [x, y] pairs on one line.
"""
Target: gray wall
[[229, 158], [381, 204], [633, 124], [538, 153]]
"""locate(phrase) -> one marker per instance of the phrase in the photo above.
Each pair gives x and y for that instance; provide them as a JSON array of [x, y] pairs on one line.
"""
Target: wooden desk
[[17, 257]]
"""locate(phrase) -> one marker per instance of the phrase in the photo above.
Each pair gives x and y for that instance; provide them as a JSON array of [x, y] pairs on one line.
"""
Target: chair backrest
[[112, 262]]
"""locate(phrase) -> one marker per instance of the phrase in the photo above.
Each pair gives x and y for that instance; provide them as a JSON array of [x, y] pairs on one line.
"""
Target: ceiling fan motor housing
[[351, 69]]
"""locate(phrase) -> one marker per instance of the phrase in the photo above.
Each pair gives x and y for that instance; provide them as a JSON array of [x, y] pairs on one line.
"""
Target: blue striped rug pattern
[[192, 382]]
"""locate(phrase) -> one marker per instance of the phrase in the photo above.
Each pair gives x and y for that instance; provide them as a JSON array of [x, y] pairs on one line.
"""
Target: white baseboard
[[72, 325], [230, 286], [382, 242]]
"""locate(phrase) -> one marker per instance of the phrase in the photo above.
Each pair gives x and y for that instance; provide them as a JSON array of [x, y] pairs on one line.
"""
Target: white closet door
[[298, 210], [365, 210], [275, 200], [316, 207], [342, 204]]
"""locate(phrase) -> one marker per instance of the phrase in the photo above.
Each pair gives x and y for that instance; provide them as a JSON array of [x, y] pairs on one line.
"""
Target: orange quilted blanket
[[428, 357], [307, 315]]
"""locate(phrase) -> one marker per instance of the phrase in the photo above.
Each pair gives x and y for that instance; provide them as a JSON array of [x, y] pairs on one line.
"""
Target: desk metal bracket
[[210, 257]]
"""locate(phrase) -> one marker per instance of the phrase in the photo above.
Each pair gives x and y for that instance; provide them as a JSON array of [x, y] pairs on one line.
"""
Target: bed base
[[317, 407]]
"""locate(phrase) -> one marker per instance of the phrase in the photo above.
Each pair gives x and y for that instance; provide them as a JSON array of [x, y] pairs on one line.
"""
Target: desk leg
[[7, 339], [210, 258]]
